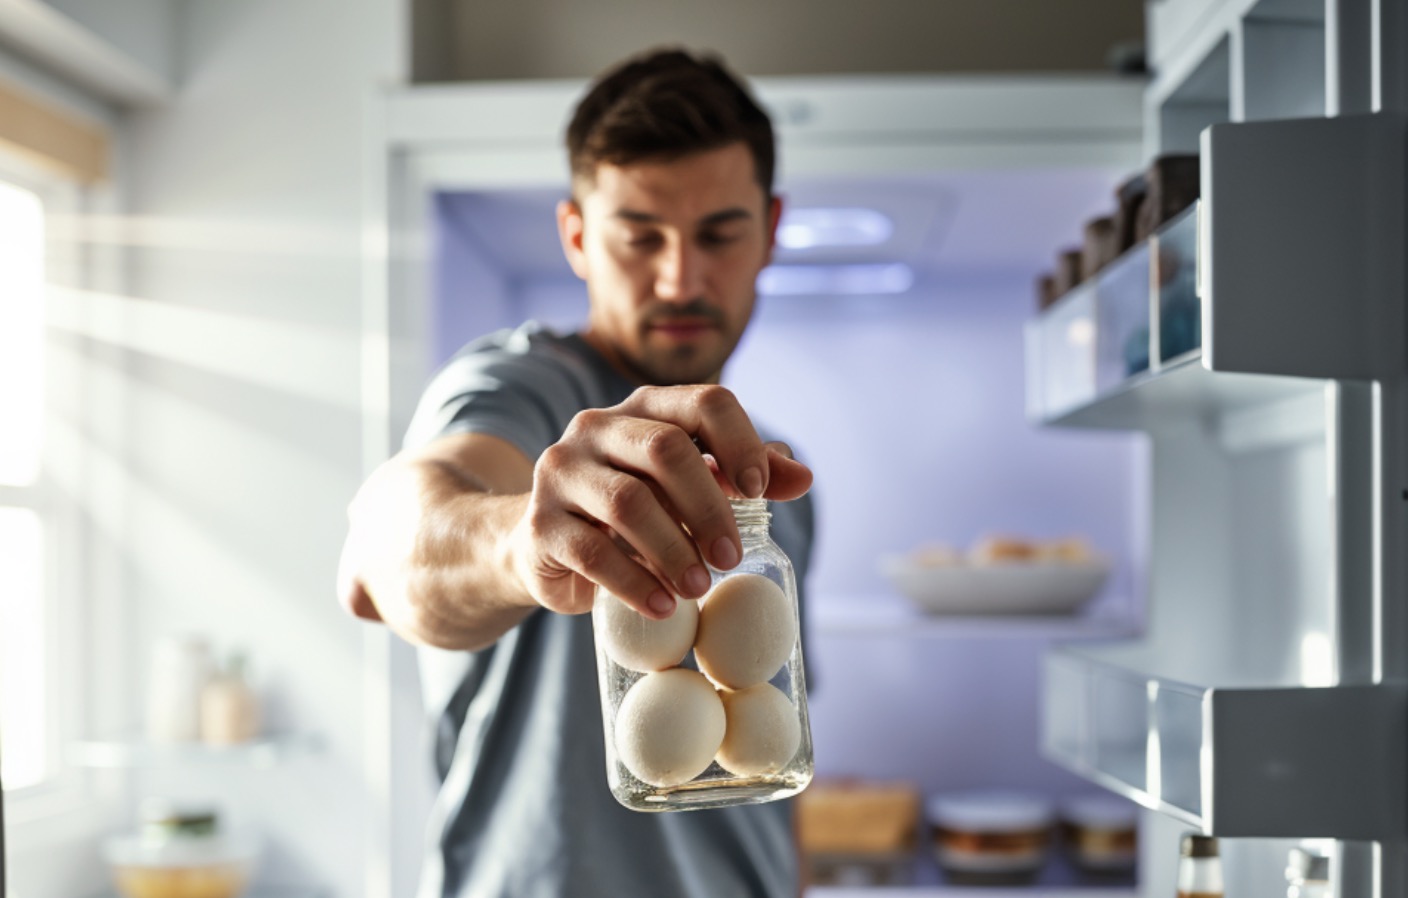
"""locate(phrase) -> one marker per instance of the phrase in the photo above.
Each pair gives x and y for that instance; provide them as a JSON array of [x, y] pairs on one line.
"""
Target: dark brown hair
[[662, 105]]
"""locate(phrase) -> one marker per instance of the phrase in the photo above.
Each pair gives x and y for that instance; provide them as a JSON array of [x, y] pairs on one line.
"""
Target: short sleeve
[[515, 385]]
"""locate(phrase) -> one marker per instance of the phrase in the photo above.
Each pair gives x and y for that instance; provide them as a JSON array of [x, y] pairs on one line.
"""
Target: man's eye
[[643, 241], [714, 238]]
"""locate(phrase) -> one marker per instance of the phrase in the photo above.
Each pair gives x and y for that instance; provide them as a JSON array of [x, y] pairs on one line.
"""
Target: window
[[24, 687]]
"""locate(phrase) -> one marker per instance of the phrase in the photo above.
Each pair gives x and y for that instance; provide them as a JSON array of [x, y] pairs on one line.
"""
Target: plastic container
[[991, 838], [708, 708]]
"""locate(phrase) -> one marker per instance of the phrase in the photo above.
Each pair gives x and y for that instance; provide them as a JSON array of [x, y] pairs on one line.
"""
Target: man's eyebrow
[[733, 213]]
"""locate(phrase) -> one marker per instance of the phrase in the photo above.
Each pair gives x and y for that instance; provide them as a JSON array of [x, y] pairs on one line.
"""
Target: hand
[[628, 499]]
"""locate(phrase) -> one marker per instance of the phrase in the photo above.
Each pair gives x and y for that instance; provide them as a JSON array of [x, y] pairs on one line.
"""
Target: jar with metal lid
[[1199, 867], [708, 708], [990, 837]]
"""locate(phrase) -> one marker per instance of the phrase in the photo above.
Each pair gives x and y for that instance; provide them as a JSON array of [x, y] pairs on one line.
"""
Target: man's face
[[670, 252]]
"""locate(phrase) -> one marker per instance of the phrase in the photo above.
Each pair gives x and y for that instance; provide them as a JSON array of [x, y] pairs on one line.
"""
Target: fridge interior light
[[871, 279], [811, 227]]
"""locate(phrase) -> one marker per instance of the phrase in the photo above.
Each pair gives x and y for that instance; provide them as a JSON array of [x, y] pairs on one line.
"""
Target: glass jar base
[[695, 796]]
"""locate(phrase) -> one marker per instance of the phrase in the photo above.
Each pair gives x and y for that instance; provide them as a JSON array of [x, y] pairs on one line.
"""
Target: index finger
[[712, 415]]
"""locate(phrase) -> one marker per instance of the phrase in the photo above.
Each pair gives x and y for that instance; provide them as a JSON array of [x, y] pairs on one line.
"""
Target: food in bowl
[[1002, 549], [214, 866], [212, 881], [1000, 575]]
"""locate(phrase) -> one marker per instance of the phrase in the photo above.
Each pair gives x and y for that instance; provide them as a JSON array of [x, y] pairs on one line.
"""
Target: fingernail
[[661, 602], [750, 481], [696, 580], [725, 553]]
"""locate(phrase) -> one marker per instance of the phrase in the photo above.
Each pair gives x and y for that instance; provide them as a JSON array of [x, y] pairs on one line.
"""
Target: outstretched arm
[[454, 543]]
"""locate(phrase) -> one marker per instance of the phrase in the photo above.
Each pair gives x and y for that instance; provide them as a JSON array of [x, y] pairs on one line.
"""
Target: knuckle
[[587, 420], [713, 398], [668, 446], [553, 458], [586, 552], [625, 499]]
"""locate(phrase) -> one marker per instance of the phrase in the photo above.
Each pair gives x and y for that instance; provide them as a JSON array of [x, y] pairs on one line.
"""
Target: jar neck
[[752, 517]]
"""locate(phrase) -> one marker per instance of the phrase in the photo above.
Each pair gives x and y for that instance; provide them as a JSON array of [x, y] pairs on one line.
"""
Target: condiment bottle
[[709, 707], [1199, 868], [229, 709]]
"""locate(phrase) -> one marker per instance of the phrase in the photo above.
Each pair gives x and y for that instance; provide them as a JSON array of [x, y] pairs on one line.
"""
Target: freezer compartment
[[1274, 762]]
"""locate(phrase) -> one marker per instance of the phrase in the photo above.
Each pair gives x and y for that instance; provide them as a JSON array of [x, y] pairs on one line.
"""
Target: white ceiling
[[947, 225]]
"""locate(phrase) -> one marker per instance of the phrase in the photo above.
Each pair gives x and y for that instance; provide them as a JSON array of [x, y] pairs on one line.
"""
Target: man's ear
[[774, 217], [569, 231]]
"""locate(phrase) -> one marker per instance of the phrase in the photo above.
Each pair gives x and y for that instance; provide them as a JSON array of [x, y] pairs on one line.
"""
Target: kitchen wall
[[239, 342]]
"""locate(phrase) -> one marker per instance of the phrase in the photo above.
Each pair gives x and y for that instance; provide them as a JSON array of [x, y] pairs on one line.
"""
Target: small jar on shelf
[[1199, 867]]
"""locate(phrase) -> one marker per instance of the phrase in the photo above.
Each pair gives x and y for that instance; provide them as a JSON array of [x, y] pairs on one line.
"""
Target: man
[[540, 466]]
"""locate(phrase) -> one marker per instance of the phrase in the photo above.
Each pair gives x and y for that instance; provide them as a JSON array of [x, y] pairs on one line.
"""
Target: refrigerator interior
[[909, 407]]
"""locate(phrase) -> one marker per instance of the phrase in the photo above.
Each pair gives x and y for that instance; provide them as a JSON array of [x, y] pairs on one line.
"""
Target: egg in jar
[[761, 731], [639, 643], [746, 631], [669, 726]]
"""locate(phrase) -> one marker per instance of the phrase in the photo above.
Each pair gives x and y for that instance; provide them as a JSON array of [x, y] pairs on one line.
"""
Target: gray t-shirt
[[524, 808]]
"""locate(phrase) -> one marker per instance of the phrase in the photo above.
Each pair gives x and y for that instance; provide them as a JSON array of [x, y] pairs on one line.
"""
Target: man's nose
[[680, 275]]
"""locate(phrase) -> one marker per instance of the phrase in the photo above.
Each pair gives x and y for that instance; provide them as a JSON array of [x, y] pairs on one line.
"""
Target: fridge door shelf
[[1288, 269], [1274, 762], [1181, 395]]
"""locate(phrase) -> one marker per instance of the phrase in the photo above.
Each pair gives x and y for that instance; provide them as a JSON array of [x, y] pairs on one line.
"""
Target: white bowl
[[1018, 587]]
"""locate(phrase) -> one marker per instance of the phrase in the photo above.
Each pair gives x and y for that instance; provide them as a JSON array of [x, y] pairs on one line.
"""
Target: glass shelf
[[266, 751], [890, 615], [1237, 760]]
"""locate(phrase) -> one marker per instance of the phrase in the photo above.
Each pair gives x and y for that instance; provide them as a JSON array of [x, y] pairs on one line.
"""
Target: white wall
[[144, 30], [242, 353]]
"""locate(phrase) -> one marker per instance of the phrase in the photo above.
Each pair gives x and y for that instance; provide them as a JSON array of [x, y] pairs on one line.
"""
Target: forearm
[[428, 545]]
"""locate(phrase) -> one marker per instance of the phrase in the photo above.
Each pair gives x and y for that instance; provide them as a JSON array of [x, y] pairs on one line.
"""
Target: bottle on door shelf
[[229, 709], [1199, 868]]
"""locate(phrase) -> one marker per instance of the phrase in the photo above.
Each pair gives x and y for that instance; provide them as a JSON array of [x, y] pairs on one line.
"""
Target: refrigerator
[[1264, 703], [1243, 673]]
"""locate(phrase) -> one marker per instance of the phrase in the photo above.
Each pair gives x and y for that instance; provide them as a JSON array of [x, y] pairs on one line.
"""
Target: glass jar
[[709, 707], [1199, 867]]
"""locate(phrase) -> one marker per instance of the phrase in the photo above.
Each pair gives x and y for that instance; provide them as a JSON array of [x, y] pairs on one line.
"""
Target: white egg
[[639, 643], [762, 730], [746, 631], [669, 726]]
